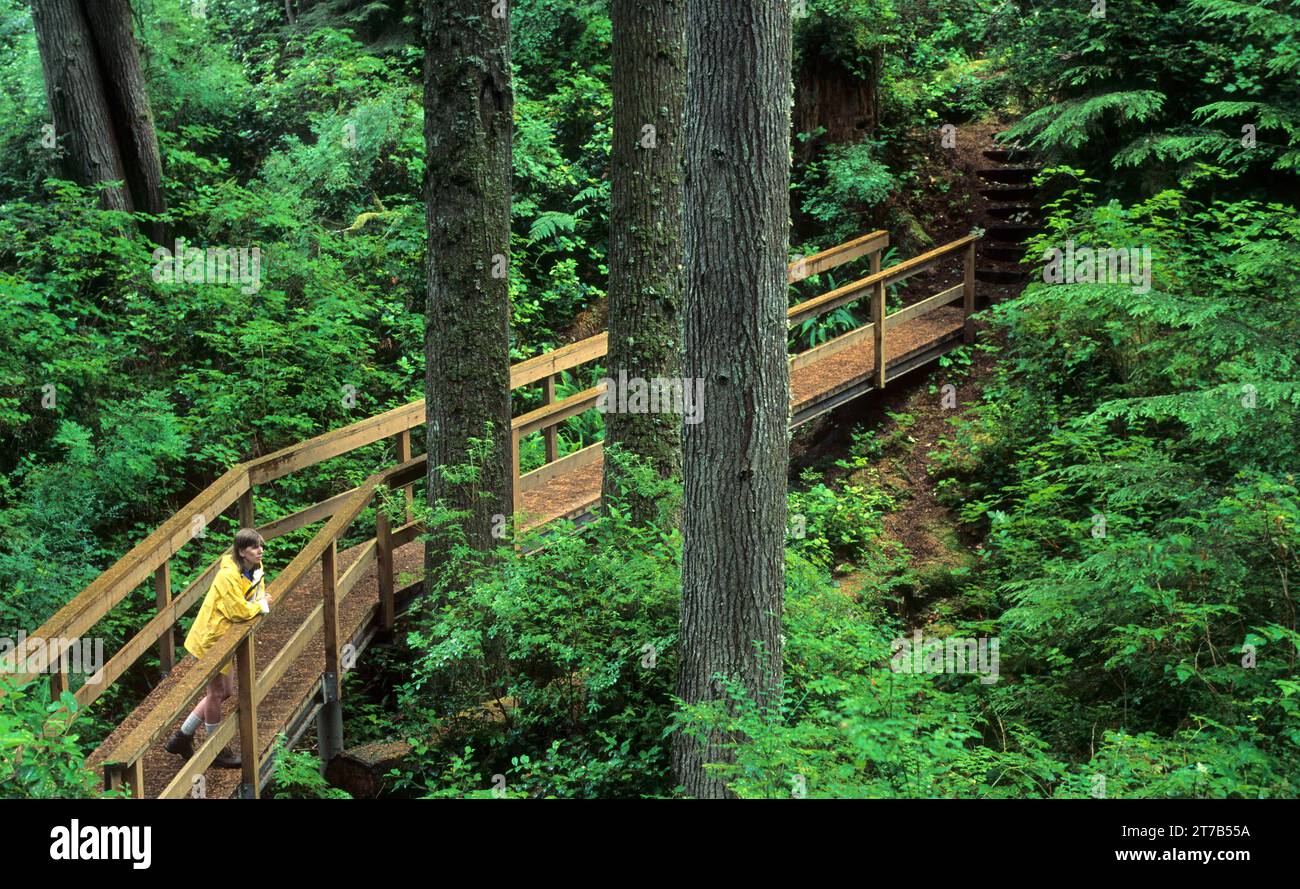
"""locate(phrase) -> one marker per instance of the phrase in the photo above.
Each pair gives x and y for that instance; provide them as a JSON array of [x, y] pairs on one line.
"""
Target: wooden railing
[[153, 555], [552, 413], [124, 763], [874, 287]]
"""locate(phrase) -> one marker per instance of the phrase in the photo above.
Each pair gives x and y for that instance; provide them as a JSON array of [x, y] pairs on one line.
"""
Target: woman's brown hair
[[246, 537]]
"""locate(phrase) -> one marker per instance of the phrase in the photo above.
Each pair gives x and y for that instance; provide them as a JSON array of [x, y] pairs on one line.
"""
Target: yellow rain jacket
[[231, 599]]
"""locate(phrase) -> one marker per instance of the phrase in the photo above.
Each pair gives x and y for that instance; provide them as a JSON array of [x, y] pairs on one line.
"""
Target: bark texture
[[467, 131], [830, 99], [736, 215], [99, 103], [129, 109], [75, 88], [645, 256]]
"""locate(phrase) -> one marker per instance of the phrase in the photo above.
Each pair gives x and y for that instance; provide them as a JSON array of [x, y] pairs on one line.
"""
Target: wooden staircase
[[1011, 214]]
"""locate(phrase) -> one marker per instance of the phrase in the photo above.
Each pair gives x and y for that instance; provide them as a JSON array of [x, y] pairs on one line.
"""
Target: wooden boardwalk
[[330, 604]]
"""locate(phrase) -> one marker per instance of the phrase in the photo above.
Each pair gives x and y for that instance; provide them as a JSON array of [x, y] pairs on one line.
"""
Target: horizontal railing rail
[[872, 244], [895, 274], [875, 285]]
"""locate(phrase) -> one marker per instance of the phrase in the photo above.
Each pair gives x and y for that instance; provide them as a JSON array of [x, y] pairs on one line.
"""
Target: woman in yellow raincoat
[[237, 594]]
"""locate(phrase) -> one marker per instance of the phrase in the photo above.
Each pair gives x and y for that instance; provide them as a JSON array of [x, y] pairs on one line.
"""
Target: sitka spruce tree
[[736, 213], [645, 321], [468, 105]]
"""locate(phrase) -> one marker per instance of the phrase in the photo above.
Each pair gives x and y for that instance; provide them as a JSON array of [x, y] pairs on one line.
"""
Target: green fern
[[550, 222]]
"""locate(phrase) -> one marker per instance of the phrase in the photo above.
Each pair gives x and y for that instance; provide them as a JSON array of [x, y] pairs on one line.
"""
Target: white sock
[[211, 728], [190, 724]]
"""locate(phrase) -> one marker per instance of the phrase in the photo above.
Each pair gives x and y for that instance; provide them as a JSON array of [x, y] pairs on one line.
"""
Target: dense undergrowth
[[1129, 473]]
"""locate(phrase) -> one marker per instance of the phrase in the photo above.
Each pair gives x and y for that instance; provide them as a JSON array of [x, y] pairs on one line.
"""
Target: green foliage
[[928, 58], [308, 144], [1158, 86], [1169, 413], [869, 446], [40, 757], [1074, 123], [849, 726], [831, 526], [851, 178], [581, 633], [826, 326], [814, 331], [1134, 468], [297, 775], [896, 71]]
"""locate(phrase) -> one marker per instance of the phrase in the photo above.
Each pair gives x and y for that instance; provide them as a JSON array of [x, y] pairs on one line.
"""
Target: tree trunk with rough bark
[[128, 99], [645, 266], [467, 131], [99, 103], [736, 202]]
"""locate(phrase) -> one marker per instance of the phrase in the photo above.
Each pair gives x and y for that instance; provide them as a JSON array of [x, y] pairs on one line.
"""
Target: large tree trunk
[[98, 100], [645, 322], [75, 89], [467, 132], [835, 101], [129, 107], [736, 234]]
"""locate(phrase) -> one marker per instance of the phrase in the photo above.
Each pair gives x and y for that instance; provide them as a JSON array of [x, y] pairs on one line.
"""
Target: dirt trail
[[925, 528]]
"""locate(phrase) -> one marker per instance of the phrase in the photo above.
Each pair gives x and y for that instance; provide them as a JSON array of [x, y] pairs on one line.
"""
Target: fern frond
[[549, 222]]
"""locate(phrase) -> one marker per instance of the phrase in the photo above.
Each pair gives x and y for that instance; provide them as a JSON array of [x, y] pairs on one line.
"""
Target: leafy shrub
[[39, 756], [1133, 465], [832, 525], [580, 633], [849, 179], [297, 775]]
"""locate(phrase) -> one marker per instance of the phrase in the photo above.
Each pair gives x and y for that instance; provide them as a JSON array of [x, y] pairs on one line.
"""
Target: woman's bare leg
[[208, 710], [218, 690]]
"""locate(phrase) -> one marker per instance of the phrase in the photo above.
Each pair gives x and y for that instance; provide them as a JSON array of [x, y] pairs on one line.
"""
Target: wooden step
[[1004, 252], [1010, 175], [1012, 193], [1018, 212], [1001, 276], [1007, 155], [1011, 231]]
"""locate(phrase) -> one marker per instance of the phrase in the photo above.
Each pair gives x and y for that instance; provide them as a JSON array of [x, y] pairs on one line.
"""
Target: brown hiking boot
[[227, 759], [181, 744]]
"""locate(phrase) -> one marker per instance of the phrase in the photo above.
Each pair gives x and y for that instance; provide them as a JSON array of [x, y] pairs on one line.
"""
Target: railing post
[[968, 295], [403, 443], [329, 721], [875, 261], [329, 575], [550, 432], [246, 515], [878, 315], [384, 553], [246, 676], [517, 495], [131, 774], [58, 667], [162, 585], [135, 778]]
